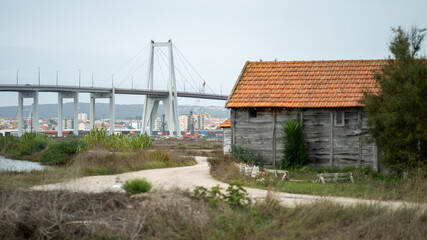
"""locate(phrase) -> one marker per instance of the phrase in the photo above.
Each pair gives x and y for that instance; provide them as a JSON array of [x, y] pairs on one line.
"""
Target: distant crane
[[16, 121]]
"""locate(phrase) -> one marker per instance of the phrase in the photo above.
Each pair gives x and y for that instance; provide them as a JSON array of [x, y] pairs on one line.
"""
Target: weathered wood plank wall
[[226, 140], [327, 143]]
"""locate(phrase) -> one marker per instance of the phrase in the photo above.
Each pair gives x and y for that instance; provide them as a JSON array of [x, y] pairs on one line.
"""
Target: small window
[[339, 118], [252, 113]]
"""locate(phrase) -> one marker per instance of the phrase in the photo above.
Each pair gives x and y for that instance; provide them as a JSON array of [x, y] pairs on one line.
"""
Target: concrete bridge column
[[111, 96], [35, 118], [61, 96], [170, 103], [20, 113]]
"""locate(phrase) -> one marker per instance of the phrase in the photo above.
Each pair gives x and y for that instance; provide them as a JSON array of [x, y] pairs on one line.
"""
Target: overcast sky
[[216, 37]]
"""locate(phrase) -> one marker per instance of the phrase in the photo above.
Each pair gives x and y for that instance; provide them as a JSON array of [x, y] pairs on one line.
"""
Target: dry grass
[[102, 162], [175, 215]]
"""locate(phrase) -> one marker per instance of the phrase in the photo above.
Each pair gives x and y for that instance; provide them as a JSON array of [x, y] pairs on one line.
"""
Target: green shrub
[[62, 152], [294, 149], [6, 144], [28, 144], [135, 186], [247, 155]]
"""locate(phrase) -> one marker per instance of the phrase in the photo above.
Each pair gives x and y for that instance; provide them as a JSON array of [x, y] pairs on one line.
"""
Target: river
[[18, 165]]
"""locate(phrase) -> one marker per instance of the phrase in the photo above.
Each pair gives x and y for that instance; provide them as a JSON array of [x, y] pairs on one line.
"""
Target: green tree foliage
[[294, 149], [398, 113]]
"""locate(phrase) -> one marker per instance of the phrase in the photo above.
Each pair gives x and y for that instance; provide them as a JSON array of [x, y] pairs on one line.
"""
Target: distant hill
[[102, 110]]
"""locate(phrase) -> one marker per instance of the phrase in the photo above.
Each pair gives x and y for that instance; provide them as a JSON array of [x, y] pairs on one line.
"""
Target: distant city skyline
[[96, 38]]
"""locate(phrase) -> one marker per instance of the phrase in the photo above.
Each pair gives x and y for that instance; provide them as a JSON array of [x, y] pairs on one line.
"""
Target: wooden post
[[331, 156], [274, 136]]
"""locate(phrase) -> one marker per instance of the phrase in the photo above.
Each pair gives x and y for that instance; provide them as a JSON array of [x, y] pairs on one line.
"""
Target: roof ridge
[[308, 61]]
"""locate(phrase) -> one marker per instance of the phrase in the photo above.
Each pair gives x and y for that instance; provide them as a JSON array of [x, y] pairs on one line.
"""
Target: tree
[[397, 115]]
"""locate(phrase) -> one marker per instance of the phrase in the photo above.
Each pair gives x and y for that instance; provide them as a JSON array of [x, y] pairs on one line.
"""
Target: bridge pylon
[[170, 103]]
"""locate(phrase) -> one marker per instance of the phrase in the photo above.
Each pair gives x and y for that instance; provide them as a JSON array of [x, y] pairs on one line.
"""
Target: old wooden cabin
[[324, 95]]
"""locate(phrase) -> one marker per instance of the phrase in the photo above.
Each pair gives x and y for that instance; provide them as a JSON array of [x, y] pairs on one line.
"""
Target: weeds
[[235, 196], [135, 186], [246, 155]]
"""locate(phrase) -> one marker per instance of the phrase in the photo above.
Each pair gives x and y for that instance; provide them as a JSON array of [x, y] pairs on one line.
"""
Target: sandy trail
[[186, 178]]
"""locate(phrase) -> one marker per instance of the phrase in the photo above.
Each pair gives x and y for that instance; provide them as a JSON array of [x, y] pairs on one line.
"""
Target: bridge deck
[[61, 88]]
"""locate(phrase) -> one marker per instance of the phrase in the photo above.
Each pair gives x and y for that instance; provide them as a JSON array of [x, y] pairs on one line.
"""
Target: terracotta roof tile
[[226, 124], [304, 84]]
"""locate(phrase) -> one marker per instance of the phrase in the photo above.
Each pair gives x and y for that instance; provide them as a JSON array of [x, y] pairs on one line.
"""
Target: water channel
[[18, 165]]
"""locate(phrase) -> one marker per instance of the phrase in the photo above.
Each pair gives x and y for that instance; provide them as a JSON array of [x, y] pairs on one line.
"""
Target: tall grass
[[117, 142]]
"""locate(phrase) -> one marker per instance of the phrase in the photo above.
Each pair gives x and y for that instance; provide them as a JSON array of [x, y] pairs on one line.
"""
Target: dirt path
[[186, 178]]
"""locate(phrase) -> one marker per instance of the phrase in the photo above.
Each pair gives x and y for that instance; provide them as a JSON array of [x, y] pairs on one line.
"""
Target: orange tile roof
[[226, 124], [304, 84]]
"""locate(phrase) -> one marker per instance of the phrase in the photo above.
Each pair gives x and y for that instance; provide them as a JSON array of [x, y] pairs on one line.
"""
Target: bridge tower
[[170, 103]]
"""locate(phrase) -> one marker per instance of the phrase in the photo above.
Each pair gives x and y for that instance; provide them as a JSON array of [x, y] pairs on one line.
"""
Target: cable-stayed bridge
[[168, 95]]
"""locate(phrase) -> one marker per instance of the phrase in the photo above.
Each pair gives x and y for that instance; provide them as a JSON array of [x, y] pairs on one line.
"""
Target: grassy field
[[368, 184], [177, 215], [90, 155]]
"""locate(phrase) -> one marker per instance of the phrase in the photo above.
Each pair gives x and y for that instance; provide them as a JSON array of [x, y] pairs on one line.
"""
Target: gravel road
[[186, 178]]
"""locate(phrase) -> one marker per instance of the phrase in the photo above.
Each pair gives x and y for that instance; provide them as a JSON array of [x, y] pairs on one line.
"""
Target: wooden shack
[[323, 95], [226, 140]]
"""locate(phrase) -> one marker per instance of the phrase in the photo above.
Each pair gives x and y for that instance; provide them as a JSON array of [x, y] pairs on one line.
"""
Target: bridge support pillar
[[35, 118], [75, 96], [111, 96], [170, 103]]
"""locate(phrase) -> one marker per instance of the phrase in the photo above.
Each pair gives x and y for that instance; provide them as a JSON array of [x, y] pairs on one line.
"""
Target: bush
[[135, 186], [247, 155], [294, 149], [6, 144], [28, 144], [62, 152]]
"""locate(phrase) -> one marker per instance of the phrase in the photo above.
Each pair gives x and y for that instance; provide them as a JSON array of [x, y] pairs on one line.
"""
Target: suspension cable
[[120, 68], [179, 71], [193, 67]]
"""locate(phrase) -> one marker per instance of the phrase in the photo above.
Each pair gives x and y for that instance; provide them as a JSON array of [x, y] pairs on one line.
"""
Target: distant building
[[82, 116], [183, 122], [157, 124]]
